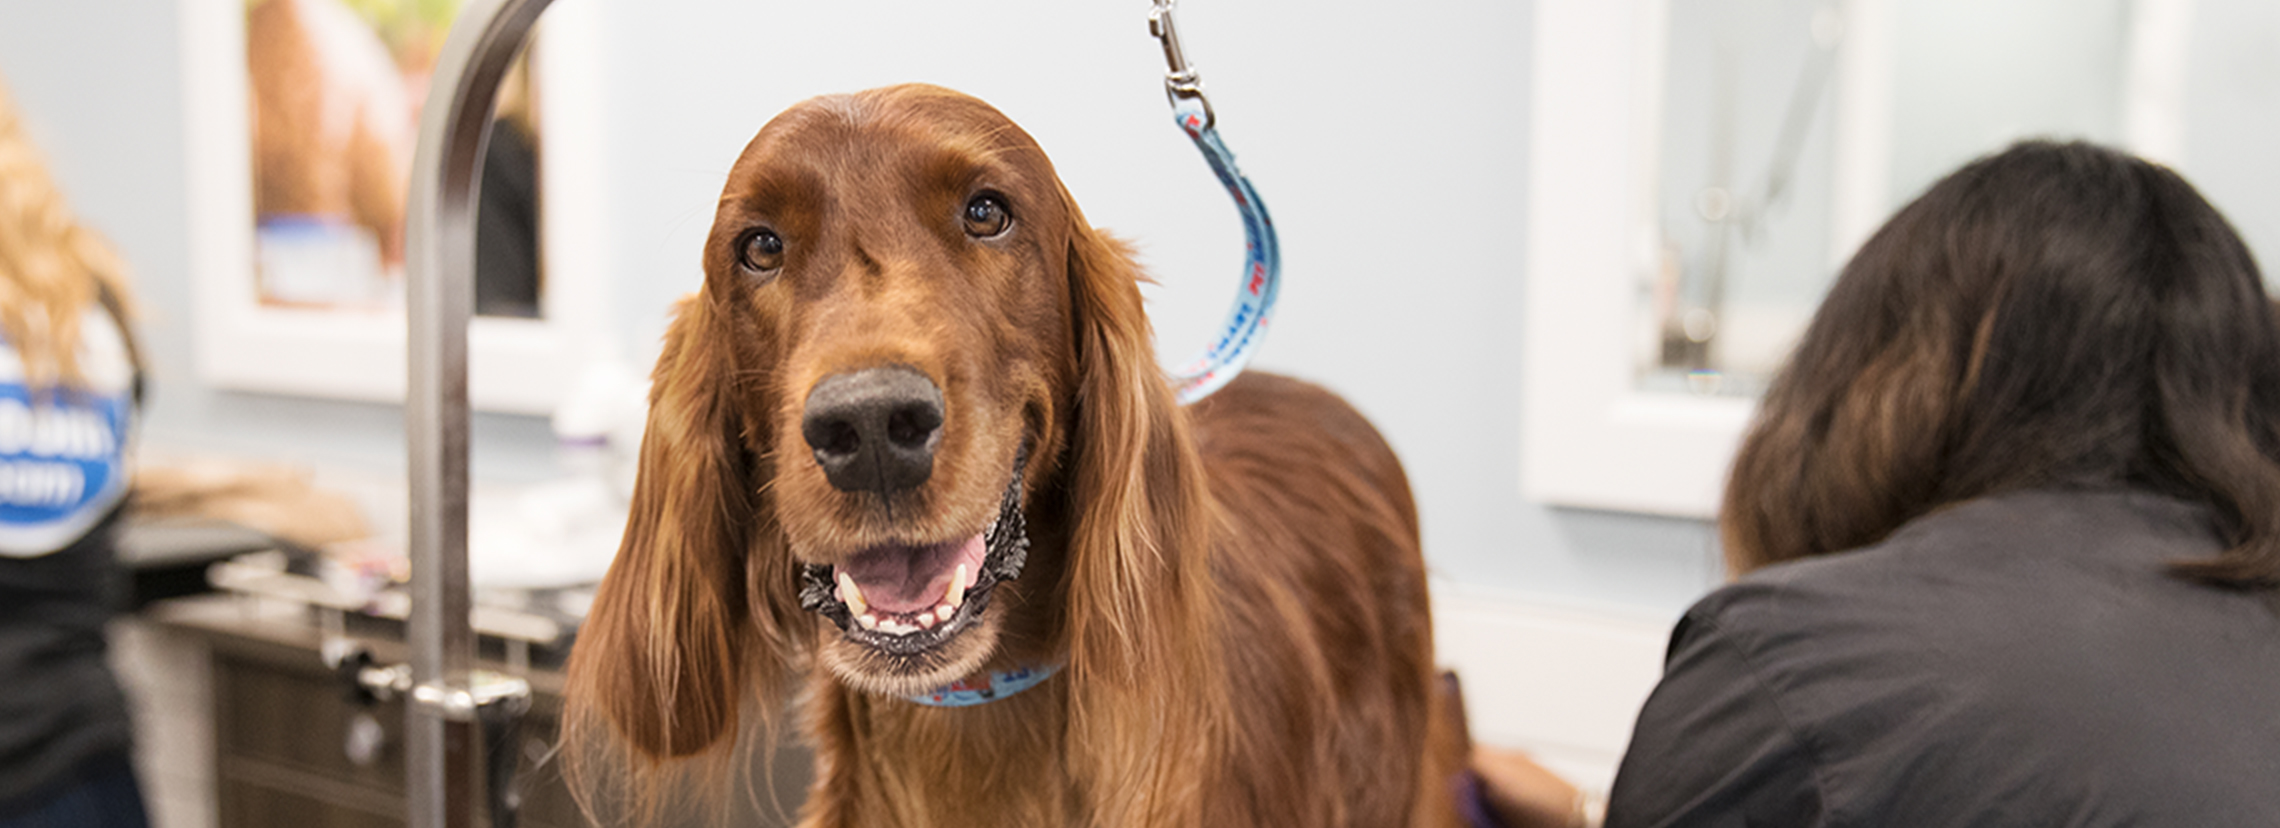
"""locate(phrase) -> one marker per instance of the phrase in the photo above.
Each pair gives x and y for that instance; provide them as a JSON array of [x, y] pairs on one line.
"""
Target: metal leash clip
[[1181, 81]]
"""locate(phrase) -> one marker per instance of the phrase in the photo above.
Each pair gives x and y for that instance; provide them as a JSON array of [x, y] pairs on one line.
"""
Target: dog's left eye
[[762, 251], [986, 216]]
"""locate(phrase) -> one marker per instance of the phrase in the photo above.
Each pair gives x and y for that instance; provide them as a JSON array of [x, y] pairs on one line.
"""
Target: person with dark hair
[[2007, 528], [69, 387]]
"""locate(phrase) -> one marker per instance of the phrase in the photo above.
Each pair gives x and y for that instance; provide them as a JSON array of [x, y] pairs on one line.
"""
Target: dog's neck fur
[[912, 766]]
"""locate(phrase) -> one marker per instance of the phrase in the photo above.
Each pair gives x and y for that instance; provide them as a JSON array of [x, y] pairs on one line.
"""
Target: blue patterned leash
[[1239, 336]]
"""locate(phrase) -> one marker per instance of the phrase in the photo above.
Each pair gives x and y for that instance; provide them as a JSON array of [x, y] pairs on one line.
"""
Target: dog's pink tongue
[[902, 580]]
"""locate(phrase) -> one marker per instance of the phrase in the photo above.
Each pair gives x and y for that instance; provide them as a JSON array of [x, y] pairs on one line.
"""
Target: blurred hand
[[1524, 794]]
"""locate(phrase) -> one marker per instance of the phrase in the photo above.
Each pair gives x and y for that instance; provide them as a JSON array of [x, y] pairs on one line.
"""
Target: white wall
[[2234, 79], [1972, 77]]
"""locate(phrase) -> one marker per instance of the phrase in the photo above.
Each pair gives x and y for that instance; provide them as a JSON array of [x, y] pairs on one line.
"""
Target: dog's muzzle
[[830, 591]]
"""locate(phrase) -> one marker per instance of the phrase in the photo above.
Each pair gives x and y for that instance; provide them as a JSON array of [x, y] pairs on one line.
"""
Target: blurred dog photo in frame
[[335, 90]]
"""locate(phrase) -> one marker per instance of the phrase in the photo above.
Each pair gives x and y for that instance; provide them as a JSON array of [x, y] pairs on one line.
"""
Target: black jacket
[[60, 707], [2020, 660]]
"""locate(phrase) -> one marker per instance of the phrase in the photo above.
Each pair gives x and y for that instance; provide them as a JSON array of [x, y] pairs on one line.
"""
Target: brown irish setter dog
[[912, 432]]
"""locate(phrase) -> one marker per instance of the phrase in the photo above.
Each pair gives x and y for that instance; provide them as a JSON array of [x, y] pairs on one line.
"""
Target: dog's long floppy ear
[[660, 657], [675, 642], [1141, 623]]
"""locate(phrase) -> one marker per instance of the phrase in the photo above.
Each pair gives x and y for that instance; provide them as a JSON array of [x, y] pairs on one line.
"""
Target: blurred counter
[[291, 744]]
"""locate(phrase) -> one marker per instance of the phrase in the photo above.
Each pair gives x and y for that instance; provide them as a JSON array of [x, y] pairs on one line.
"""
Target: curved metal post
[[440, 256]]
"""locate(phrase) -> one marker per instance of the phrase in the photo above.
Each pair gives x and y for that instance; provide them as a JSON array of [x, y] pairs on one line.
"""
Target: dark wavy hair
[[2055, 314]]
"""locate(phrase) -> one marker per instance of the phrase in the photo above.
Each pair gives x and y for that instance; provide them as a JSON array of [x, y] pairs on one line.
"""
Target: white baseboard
[[1562, 683]]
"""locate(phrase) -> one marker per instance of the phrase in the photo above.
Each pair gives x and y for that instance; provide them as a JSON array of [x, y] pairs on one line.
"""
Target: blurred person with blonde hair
[[69, 388]]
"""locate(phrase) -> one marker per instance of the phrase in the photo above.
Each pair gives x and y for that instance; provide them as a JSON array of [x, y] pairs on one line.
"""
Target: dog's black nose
[[875, 430]]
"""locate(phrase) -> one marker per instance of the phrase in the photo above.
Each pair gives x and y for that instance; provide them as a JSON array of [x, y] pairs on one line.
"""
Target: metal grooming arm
[[440, 722]]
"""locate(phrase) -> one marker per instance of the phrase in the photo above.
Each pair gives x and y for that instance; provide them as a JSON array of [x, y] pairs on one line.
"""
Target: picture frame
[[246, 341]]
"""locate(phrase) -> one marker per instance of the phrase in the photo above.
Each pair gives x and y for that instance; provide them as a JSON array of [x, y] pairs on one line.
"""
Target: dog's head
[[910, 358], [904, 257]]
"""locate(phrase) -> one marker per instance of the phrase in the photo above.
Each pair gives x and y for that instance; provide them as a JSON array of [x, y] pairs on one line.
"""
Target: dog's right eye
[[762, 251], [986, 217]]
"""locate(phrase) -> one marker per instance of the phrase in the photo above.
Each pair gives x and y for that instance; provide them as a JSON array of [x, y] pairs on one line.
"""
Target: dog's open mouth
[[905, 599]]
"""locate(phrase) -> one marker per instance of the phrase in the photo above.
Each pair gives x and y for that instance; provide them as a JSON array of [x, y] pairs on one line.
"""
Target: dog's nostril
[[911, 426], [836, 437]]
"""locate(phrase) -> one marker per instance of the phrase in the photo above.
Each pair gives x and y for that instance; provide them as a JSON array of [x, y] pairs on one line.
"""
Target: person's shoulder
[[1813, 593], [1949, 577], [1865, 592], [1987, 537]]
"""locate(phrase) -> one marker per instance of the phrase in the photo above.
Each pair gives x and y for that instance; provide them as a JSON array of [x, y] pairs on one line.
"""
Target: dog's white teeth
[[851, 595], [957, 593], [869, 621], [944, 612], [926, 620]]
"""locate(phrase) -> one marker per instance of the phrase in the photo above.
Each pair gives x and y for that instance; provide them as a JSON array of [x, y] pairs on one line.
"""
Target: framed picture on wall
[[301, 121]]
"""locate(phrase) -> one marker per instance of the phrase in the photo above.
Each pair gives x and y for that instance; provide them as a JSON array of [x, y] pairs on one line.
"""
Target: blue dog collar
[[971, 691]]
